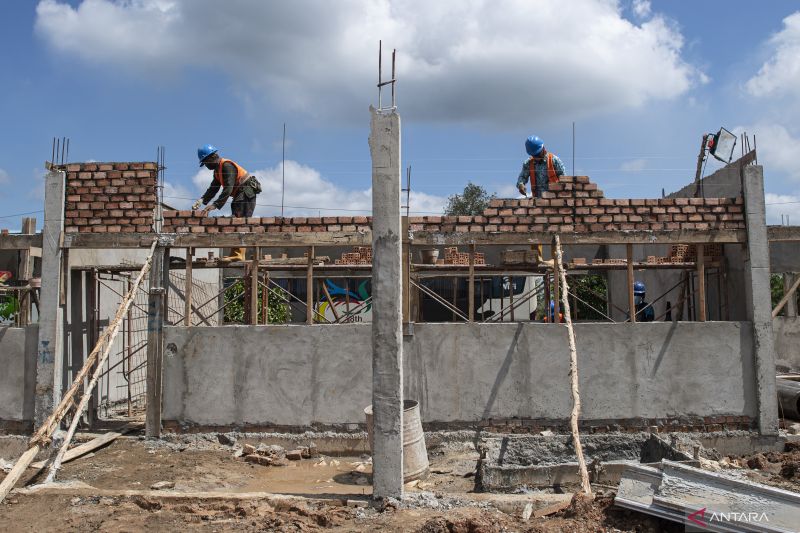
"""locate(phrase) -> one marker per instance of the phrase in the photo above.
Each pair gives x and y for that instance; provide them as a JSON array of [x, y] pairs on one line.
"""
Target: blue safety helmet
[[638, 288], [205, 151], [534, 145]]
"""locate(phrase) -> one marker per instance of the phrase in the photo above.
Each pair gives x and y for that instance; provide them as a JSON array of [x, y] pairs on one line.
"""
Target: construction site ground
[[205, 486]]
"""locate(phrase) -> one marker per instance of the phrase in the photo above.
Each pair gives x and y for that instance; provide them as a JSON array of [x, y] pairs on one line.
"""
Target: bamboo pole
[[48, 427], [573, 373], [471, 287], [701, 283]]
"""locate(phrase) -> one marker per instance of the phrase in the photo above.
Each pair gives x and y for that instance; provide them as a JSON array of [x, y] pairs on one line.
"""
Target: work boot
[[539, 259], [237, 254]]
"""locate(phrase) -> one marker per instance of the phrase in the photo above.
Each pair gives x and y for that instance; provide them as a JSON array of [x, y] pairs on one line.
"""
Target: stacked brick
[[453, 257], [110, 197], [573, 205], [190, 222], [361, 255]]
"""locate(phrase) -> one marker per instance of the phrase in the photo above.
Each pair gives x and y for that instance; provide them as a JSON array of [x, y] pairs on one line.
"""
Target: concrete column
[[757, 294], [791, 306], [49, 358], [387, 324]]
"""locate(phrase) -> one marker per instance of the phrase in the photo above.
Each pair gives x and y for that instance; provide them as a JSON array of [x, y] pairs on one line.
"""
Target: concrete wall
[[300, 375], [787, 343], [17, 374]]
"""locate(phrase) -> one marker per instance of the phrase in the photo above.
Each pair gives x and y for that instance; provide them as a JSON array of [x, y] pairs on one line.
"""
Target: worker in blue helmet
[[644, 311], [551, 316], [542, 168], [235, 182]]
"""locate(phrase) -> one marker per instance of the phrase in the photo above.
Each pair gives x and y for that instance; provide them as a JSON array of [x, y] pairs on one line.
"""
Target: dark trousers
[[243, 206]]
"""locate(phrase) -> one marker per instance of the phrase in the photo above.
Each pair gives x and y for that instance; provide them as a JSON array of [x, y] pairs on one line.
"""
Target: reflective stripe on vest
[[241, 174], [551, 171]]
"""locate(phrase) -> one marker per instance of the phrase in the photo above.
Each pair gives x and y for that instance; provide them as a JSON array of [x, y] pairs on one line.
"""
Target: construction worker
[[542, 168], [552, 315], [235, 182], [644, 311]]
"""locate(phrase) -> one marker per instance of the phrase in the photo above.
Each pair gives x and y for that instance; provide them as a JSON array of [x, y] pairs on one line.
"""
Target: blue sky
[[641, 80]]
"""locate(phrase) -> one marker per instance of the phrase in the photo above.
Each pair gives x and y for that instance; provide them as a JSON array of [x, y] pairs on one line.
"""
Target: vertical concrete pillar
[[387, 324], [757, 293], [791, 306], [49, 357]]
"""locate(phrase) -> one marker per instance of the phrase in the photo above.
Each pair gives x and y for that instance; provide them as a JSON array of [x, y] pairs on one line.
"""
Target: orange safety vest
[[241, 174], [551, 171]]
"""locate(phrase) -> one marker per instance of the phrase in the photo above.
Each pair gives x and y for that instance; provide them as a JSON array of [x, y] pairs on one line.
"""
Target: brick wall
[[575, 204], [110, 197]]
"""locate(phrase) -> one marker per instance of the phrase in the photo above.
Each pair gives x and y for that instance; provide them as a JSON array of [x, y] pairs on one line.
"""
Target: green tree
[[471, 202], [277, 308]]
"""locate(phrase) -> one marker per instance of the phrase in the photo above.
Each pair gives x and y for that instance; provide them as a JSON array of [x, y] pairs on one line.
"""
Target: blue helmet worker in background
[[542, 168], [644, 311]]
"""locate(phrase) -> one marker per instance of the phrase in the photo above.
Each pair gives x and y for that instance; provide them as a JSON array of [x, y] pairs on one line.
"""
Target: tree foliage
[[277, 308], [471, 202]]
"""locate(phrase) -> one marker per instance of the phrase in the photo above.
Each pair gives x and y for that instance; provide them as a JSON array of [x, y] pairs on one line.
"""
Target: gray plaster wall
[[302, 375], [17, 372], [787, 343]]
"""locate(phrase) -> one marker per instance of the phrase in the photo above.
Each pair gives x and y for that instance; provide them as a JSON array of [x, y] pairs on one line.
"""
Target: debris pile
[[274, 455]]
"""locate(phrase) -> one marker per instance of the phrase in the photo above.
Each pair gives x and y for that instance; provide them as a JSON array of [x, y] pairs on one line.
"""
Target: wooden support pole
[[254, 287], [701, 283], [511, 298], [265, 299], [155, 348], [791, 303], [25, 273], [631, 281], [573, 373], [187, 289], [406, 262], [310, 287], [786, 297], [471, 286], [330, 302], [556, 287], [166, 284]]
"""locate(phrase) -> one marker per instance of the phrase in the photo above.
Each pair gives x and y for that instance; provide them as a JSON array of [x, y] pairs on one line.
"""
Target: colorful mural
[[351, 305]]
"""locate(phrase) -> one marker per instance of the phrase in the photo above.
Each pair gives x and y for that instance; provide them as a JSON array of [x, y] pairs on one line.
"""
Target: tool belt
[[250, 187]]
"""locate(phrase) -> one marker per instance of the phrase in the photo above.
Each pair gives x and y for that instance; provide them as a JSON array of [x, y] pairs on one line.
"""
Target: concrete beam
[[387, 326], [757, 294], [20, 241], [49, 363]]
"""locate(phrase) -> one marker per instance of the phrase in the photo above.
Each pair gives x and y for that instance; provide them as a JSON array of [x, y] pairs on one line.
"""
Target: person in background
[[644, 311], [542, 168]]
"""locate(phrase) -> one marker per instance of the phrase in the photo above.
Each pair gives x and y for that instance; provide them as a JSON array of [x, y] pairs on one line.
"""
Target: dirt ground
[[91, 495], [779, 469]]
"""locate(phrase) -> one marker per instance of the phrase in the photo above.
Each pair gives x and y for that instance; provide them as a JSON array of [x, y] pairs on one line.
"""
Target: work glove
[[196, 205], [521, 188]]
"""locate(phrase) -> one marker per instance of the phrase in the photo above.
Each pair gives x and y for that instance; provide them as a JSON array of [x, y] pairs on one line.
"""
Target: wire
[[20, 214]]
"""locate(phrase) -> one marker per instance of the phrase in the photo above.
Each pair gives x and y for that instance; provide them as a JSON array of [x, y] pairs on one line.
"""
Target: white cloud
[[778, 148], [4, 177], [641, 8], [634, 165], [782, 204], [780, 74], [465, 61], [307, 193]]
